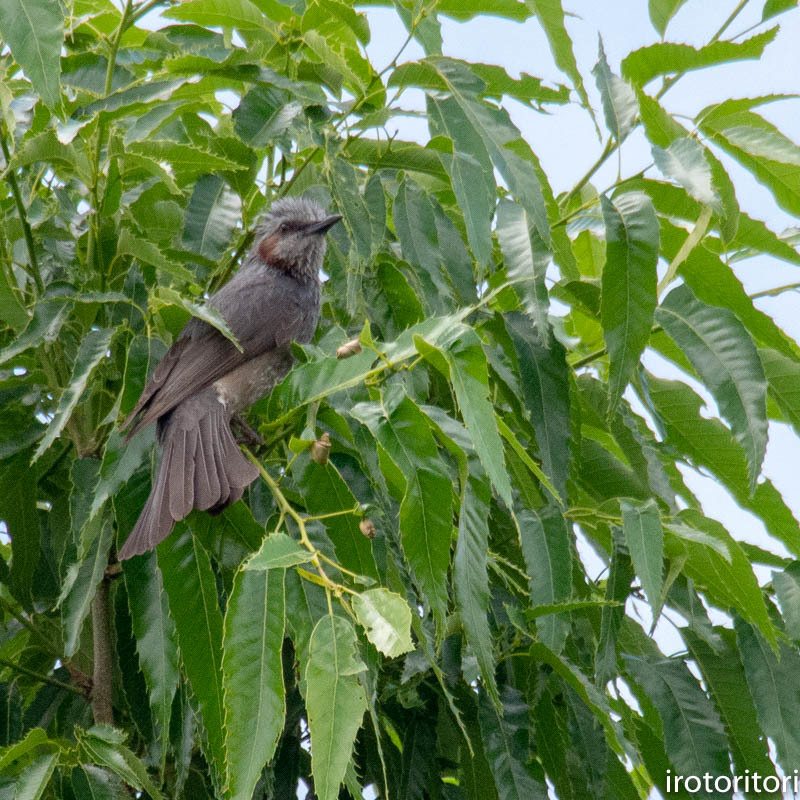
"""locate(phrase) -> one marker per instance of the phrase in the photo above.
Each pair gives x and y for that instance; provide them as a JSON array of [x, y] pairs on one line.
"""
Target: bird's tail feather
[[202, 468]]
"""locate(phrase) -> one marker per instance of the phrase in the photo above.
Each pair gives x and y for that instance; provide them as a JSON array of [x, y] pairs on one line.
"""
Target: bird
[[204, 381]]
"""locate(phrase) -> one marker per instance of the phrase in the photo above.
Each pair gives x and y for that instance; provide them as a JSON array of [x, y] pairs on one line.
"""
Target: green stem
[[41, 677], [692, 240], [610, 147], [45, 642], [26, 228], [788, 287], [670, 82]]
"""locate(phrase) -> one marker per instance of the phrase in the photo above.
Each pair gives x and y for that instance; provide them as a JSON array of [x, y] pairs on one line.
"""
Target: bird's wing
[[261, 310]]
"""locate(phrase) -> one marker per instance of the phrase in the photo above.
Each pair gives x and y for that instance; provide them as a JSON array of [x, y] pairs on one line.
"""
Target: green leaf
[[31, 783], [48, 318], [545, 391], [685, 161], [263, 115], [325, 492], [526, 260], [468, 372], [120, 460], [661, 12], [547, 549], [93, 349], [505, 742], [620, 105], [629, 280], [726, 682], [760, 147], [725, 357], [252, 676], [335, 701], [787, 587], [211, 217], [188, 160], [240, 14], [645, 538], [783, 378], [192, 592], [470, 579], [413, 465], [551, 17], [665, 58], [694, 737], [81, 584], [34, 32], [716, 562], [386, 618], [164, 296], [278, 550], [102, 744], [774, 7], [709, 444], [770, 678], [156, 640]]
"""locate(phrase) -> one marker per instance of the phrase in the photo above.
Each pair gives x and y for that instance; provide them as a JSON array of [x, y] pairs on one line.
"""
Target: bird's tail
[[201, 467]]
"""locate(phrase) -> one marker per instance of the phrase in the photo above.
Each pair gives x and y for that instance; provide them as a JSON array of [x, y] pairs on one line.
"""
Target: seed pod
[[321, 449], [367, 527], [348, 349]]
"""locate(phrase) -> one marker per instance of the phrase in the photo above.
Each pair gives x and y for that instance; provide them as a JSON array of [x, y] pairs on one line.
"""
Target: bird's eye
[[284, 227]]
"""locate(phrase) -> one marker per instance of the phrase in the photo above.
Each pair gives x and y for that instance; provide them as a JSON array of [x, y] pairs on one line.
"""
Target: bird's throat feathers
[[272, 253]]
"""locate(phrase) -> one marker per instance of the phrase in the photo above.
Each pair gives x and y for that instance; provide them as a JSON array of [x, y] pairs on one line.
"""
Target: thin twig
[[26, 228], [40, 677]]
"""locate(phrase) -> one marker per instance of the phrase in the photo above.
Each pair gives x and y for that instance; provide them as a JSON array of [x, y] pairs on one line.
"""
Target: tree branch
[[101, 676]]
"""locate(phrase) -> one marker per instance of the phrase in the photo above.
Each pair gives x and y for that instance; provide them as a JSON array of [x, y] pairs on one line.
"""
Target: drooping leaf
[[190, 586], [661, 12], [156, 640], [628, 298], [278, 551], [724, 355], [619, 100], [93, 350], [645, 538], [211, 217], [684, 161], [252, 676], [787, 587], [335, 701]]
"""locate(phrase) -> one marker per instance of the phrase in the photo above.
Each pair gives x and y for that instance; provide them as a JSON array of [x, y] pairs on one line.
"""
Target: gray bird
[[203, 380]]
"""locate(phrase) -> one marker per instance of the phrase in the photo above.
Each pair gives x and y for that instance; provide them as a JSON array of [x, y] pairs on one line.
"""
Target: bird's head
[[291, 237]]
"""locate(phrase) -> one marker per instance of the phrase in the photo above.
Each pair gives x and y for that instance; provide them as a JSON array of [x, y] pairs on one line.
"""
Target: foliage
[[411, 612]]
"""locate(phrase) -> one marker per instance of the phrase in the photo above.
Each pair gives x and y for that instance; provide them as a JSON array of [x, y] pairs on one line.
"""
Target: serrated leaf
[[240, 14], [526, 260], [464, 363], [191, 589], [211, 217], [44, 326], [628, 298], [164, 296], [277, 551], [725, 678], [188, 160], [772, 687], [547, 549], [787, 587], [470, 578], [551, 16], [684, 161], [694, 737], [725, 357], [263, 115], [335, 701], [252, 676], [34, 32], [505, 739], [386, 618], [641, 525], [664, 58], [620, 105], [31, 783], [156, 639]]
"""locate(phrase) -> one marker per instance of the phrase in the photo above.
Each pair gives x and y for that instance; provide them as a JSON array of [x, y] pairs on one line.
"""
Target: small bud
[[321, 449], [351, 348], [367, 527]]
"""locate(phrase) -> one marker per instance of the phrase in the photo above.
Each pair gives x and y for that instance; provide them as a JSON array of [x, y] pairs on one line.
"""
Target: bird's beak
[[323, 225]]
